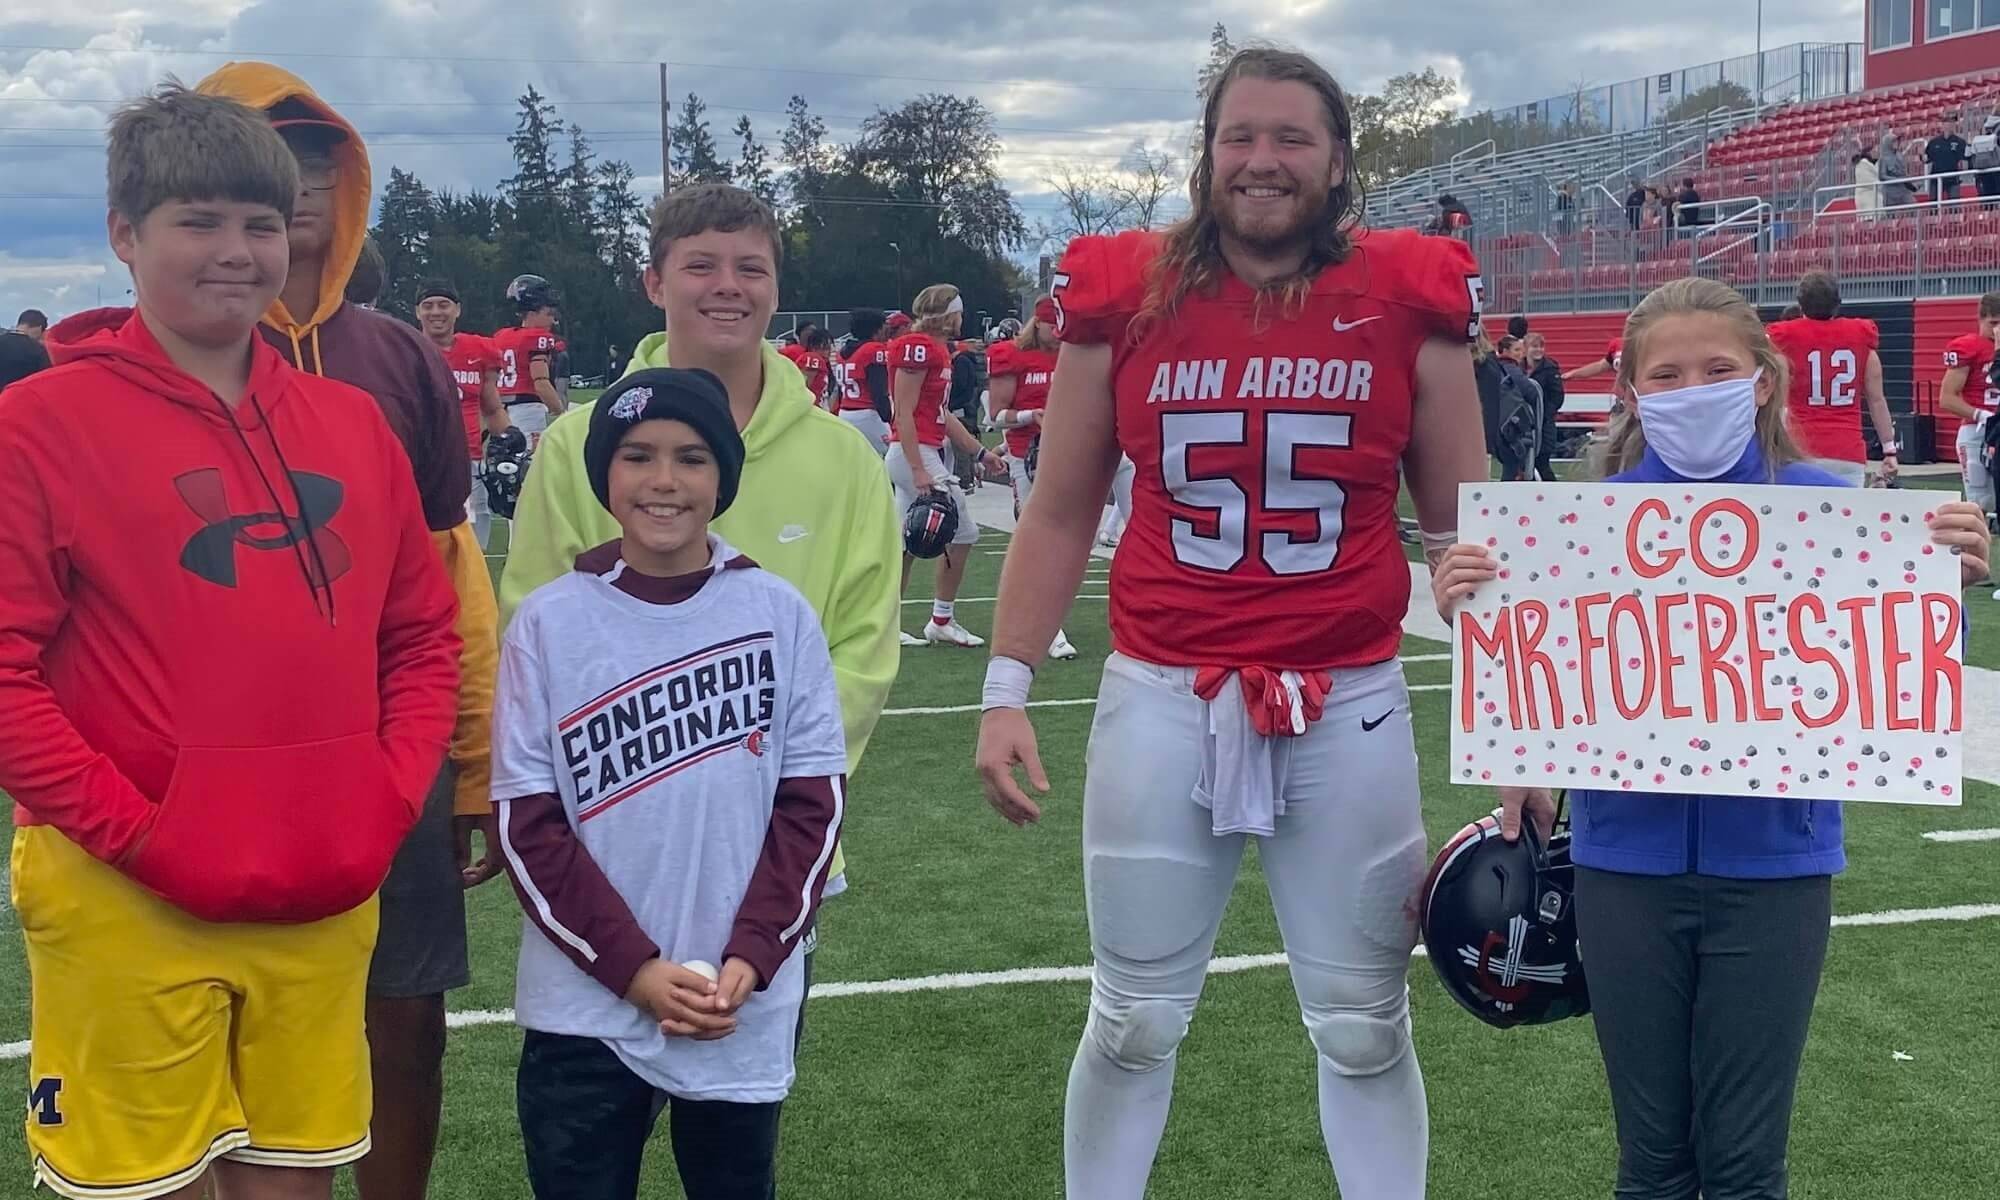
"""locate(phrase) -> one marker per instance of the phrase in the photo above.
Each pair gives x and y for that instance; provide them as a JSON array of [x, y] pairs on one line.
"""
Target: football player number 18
[[1285, 434]]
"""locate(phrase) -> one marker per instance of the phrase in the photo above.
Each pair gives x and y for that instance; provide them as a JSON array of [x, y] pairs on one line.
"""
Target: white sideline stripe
[[968, 708], [1963, 835], [1228, 965], [990, 600]]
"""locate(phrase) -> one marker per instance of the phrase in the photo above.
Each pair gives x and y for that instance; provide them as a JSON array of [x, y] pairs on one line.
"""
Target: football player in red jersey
[[1272, 370], [1833, 362], [1019, 373], [861, 380], [1968, 394], [1608, 365], [475, 367], [920, 362], [527, 358], [815, 361]]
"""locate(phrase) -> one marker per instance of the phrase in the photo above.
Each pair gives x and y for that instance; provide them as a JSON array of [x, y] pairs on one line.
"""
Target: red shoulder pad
[[1001, 359], [1101, 284]]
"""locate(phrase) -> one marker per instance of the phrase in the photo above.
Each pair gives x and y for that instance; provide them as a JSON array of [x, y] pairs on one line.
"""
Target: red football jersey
[[1032, 369], [1829, 365], [518, 347], [815, 367], [922, 352], [1268, 448], [852, 376], [470, 357], [1975, 354]]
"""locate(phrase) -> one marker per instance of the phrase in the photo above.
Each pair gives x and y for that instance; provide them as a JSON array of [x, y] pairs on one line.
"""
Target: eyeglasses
[[318, 172]]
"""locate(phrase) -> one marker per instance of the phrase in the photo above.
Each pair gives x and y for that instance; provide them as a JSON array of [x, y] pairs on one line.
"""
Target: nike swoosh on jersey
[[792, 533], [1368, 726], [1340, 326]]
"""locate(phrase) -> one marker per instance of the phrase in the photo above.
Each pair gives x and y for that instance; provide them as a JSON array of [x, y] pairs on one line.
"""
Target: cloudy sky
[[431, 84]]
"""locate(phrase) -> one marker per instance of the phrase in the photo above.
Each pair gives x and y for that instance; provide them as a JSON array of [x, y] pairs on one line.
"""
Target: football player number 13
[[1285, 434]]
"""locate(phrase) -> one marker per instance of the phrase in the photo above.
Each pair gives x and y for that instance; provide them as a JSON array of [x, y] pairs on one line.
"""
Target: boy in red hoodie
[[228, 665]]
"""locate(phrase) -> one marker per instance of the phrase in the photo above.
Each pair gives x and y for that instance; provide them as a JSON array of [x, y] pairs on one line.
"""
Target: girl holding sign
[[1704, 918]]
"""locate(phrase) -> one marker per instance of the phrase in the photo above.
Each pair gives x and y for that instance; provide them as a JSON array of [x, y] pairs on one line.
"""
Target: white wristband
[[1007, 681], [1434, 542]]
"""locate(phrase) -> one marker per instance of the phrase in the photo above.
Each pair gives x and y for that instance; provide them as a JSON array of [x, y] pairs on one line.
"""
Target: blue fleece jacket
[[1735, 837]]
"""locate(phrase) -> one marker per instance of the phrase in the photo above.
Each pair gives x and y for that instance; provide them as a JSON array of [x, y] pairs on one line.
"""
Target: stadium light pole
[[1760, 54]]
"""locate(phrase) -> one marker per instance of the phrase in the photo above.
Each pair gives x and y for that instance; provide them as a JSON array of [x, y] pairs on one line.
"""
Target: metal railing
[[1472, 153], [1921, 203]]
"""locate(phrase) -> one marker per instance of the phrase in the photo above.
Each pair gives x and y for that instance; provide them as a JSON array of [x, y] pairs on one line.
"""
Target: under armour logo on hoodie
[[211, 552]]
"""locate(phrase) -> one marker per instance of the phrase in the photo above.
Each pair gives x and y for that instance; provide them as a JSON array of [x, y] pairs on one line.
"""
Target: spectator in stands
[[1487, 374], [1517, 326], [1896, 192], [1985, 157], [21, 352], [1635, 205], [1547, 374], [1519, 425], [1566, 207], [1689, 204], [1945, 154], [1453, 219], [1867, 186]]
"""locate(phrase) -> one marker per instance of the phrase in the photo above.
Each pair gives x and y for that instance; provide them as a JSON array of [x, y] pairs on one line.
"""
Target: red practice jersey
[[1975, 353], [518, 347], [1032, 370], [470, 357], [1829, 366], [815, 367], [852, 376], [922, 352], [1268, 449]]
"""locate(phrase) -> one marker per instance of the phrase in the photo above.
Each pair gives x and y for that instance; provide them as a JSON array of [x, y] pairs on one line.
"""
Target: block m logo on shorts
[[44, 1100]]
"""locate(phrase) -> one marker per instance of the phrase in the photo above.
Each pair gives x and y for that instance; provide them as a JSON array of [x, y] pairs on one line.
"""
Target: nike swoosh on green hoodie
[[813, 507]]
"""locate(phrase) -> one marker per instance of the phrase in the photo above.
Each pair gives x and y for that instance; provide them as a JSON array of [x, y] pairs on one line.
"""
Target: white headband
[[957, 305]]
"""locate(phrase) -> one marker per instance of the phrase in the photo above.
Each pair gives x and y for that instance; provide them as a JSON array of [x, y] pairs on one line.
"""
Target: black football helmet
[[531, 292], [1499, 920], [507, 458], [929, 524]]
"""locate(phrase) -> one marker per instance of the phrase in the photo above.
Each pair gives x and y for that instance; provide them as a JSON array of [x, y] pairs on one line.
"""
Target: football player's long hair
[[1036, 334], [930, 309], [1191, 260], [1690, 297]]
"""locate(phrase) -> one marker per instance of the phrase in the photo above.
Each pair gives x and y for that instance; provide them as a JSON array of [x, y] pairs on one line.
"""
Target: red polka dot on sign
[[1633, 664], [1584, 550], [1863, 556], [1887, 536], [1485, 512], [1928, 516], [1945, 788], [1492, 541], [1738, 660], [1725, 539], [1520, 752], [1562, 641], [1906, 697], [1819, 572], [1626, 784], [1486, 775], [1854, 766], [1527, 541], [1491, 708], [1571, 666], [1468, 758], [1846, 512], [1917, 762], [1505, 573], [1563, 603], [1621, 756], [1802, 516], [1839, 741], [1597, 770], [1659, 778], [1930, 549], [1614, 570], [1778, 563], [1809, 543], [1549, 767], [1577, 719], [1783, 786], [1708, 770], [1554, 570], [1583, 747], [1610, 500], [1523, 522]]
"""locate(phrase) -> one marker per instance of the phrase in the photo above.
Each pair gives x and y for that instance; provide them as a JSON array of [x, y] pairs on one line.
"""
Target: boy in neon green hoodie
[[814, 506]]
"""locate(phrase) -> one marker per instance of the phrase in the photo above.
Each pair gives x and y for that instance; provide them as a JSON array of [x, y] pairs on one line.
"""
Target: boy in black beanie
[[669, 771]]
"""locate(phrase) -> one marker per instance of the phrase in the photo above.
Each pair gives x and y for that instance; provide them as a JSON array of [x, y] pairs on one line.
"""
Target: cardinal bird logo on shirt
[[754, 742], [211, 552]]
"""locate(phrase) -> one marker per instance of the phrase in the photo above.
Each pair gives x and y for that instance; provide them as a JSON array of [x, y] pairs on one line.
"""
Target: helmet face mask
[[929, 525], [1499, 921], [507, 459]]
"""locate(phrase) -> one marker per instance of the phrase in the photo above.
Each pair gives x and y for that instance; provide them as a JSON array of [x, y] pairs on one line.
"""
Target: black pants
[[1989, 188], [585, 1118], [1701, 989]]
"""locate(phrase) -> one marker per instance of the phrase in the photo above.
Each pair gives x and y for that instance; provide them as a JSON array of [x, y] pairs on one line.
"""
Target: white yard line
[[992, 599], [1963, 835], [1228, 965]]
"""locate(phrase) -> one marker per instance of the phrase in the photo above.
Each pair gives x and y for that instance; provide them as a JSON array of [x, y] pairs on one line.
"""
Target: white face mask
[[1701, 431]]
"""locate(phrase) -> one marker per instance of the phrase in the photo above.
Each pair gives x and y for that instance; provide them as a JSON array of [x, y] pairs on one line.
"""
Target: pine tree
[[1220, 51], [534, 187], [618, 218], [804, 152], [403, 234], [753, 165], [695, 159], [579, 181]]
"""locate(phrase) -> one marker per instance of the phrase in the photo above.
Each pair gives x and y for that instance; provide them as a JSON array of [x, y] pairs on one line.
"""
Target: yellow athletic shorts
[[162, 1042]]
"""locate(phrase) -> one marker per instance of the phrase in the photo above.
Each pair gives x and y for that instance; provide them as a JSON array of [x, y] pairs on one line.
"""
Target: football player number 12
[[1285, 434], [1835, 387]]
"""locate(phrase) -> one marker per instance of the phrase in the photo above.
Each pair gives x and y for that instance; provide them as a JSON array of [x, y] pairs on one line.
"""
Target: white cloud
[[1075, 80]]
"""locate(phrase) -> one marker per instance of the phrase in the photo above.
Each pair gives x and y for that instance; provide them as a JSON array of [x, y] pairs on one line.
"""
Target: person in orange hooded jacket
[[421, 953]]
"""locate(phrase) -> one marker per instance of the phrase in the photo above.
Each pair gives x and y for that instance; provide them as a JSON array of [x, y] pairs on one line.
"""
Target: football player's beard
[[1274, 234]]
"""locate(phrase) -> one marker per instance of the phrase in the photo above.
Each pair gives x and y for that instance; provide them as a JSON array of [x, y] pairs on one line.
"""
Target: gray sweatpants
[[1701, 989]]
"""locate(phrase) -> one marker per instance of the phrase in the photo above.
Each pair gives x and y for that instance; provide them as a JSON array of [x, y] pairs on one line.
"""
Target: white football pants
[[1978, 480], [1343, 870]]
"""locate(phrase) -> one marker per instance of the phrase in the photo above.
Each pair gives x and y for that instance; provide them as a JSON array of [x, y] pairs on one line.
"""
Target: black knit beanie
[[691, 396]]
